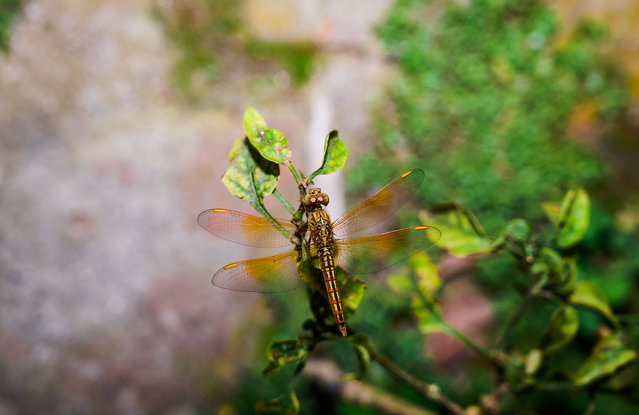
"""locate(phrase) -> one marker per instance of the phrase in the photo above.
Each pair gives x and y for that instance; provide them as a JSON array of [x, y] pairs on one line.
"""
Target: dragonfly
[[331, 242]]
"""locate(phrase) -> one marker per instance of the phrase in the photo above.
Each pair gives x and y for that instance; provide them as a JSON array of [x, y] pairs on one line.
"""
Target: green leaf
[[588, 294], [518, 230], [335, 155], [574, 218], [400, 281], [561, 272], [285, 404], [250, 176], [533, 361], [280, 352], [427, 322], [561, 329], [363, 360], [352, 291], [609, 355], [310, 274], [459, 237], [553, 262], [428, 280], [271, 143], [552, 211], [253, 122]]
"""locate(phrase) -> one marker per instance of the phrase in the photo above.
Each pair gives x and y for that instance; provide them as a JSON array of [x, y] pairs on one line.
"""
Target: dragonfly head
[[315, 197]]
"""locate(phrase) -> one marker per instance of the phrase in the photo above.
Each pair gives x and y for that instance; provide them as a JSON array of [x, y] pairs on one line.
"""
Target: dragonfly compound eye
[[323, 199]]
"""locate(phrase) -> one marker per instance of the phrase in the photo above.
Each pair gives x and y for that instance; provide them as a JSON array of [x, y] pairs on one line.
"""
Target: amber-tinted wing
[[270, 274], [378, 252], [244, 229], [379, 206]]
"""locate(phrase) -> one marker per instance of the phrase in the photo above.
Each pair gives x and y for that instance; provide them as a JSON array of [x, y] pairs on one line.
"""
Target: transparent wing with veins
[[383, 250], [245, 229], [275, 273], [380, 206]]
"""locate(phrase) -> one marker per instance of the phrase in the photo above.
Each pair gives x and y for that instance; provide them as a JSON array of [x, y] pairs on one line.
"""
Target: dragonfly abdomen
[[327, 265]]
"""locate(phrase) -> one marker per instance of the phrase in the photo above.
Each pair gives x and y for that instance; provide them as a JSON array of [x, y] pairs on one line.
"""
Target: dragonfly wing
[[381, 251], [275, 273], [379, 206], [244, 229]]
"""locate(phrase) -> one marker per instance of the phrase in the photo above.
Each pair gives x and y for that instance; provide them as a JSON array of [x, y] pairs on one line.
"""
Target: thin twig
[[452, 331], [328, 375], [503, 341], [430, 391], [466, 341]]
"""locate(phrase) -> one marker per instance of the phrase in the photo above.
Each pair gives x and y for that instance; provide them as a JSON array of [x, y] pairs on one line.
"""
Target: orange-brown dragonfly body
[[319, 225], [327, 239]]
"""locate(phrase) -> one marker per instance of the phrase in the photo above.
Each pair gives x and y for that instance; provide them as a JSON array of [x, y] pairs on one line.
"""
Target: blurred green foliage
[[215, 41], [297, 58], [9, 10], [483, 100], [484, 94]]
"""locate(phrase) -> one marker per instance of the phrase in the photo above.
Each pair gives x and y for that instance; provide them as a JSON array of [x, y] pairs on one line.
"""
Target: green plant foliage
[[297, 58], [335, 155], [271, 143], [482, 101], [561, 329], [9, 12], [353, 291], [573, 218], [428, 281], [607, 357], [554, 327], [428, 319], [590, 295], [250, 176], [213, 40], [459, 236], [286, 404], [533, 361], [282, 352]]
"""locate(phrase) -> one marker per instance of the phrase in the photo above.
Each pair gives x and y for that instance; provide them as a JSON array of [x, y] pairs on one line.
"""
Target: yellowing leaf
[[588, 294], [609, 355], [428, 280], [272, 144], [552, 211], [352, 291], [286, 404], [458, 235], [427, 322], [400, 281], [533, 361], [574, 218], [250, 176]]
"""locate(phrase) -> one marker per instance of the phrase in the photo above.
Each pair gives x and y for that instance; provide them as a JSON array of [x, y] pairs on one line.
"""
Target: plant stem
[[296, 176], [452, 331], [430, 391], [283, 201], [328, 375], [503, 341], [466, 341]]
